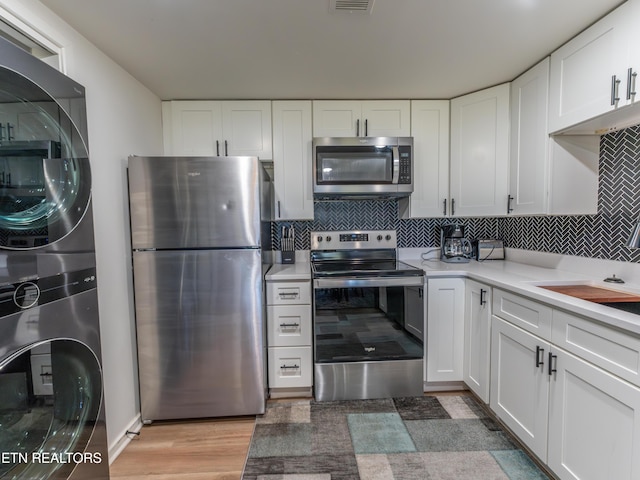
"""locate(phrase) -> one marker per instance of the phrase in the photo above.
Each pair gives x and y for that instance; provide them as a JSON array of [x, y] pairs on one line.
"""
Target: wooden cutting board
[[593, 294]]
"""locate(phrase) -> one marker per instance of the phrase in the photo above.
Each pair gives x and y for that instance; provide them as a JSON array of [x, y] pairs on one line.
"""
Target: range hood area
[[612, 121]]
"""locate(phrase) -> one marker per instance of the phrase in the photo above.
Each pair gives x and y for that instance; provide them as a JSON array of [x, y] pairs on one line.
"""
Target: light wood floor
[[213, 449]]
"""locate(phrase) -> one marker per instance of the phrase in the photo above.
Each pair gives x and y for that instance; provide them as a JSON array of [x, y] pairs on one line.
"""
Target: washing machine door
[[45, 179], [50, 396]]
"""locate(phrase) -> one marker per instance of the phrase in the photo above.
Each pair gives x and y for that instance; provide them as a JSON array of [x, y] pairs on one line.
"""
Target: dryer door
[[50, 397], [45, 179]]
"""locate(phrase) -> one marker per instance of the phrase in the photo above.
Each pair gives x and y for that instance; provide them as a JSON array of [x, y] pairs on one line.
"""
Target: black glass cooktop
[[370, 268]]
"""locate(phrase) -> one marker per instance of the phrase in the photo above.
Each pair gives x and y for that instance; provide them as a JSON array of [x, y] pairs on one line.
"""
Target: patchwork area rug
[[439, 437]]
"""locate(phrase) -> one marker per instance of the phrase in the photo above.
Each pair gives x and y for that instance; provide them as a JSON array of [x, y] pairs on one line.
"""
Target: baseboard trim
[[124, 438]]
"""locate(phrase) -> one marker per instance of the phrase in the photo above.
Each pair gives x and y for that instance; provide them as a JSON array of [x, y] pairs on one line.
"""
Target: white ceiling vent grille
[[351, 6]]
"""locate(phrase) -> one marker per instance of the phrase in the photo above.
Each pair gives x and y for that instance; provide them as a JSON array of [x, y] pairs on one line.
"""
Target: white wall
[[124, 118]]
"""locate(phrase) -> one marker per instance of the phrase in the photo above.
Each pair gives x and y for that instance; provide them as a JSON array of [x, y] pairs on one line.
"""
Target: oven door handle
[[349, 282]]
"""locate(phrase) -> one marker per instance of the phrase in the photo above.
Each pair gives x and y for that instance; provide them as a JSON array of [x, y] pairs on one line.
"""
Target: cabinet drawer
[[289, 325], [290, 367], [527, 314], [289, 293], [610, 349]]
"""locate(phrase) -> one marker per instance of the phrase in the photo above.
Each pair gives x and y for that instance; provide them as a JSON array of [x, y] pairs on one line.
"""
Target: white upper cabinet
[[529, 158], [367, 118], [480, 152], [594, 72], [218, 128], [293, 192], [430, 132]]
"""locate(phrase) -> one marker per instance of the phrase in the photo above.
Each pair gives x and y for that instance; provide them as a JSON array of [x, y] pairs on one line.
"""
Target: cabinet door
[[386, 118], [336, 118], [582, 83], [246, 128], [520, 383], [430, 131], [293, 192], [445, 329], [529, 159], [477, 338], [480, 152], [594, 423], [191, 127]]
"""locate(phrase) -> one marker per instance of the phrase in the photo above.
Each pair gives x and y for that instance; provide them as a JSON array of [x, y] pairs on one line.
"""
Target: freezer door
[[199, 320], [194, 202]]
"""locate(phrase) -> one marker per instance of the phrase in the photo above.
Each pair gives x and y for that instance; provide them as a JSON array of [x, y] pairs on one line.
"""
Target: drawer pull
[[539, 356], [289, 367], [289, 325], [288, 295]]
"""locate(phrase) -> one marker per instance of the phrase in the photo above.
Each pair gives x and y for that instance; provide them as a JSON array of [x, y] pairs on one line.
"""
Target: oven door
[[368, 319]]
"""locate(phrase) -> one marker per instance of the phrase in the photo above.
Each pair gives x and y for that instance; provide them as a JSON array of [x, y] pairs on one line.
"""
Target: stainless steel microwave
[[362, 167]]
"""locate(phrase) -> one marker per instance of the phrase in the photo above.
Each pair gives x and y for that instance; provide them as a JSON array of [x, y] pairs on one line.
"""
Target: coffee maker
[[454, 247]]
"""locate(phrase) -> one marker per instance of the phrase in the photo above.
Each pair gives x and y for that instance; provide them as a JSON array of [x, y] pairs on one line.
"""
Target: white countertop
[[520, 278], [523, 279], [279, 272]]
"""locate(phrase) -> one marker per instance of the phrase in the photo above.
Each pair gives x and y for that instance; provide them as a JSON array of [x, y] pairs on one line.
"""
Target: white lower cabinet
[[477, 338], [445, 329], [520, 383], [594, 422], [578, 411], [289, 352]]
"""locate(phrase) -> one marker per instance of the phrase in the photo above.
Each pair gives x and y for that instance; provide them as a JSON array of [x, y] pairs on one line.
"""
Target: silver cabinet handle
[[453, 206], [285, 367], [614, 90], [444, 207], [358, 128], [366, 127], [631, 83], [279, 213], [226, 153], [509, 200], [288, 295], [217, 148]]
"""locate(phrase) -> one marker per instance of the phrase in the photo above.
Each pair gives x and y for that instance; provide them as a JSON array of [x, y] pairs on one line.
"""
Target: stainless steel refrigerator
[[199, 226]]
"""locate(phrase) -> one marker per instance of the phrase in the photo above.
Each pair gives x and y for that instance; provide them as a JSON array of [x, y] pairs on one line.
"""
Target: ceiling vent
[[351, 6]]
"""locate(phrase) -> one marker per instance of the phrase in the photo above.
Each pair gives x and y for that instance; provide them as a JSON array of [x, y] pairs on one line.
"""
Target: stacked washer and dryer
[[52, 417]]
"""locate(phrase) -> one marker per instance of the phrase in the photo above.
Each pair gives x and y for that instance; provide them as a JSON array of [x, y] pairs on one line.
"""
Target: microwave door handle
[[396, 164]]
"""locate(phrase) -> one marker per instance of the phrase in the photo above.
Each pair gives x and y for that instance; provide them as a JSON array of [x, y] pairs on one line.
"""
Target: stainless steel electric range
[[368, 315]]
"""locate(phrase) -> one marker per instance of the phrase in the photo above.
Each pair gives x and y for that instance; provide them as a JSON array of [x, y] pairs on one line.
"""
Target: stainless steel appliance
[[362, 167], [198, 227], [52, 416], [455, 248], [488, 249], [368, 317]]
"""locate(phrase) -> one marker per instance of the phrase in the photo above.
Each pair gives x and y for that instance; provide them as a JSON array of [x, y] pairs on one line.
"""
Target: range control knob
[[329, 238], [319, 238], [379, 238], [388, 237]]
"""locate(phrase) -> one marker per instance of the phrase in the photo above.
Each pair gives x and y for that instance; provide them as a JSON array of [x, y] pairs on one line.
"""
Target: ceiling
[[284, 49]]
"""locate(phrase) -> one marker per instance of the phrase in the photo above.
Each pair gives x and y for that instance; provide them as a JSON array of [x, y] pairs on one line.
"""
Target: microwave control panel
[[405, 164]]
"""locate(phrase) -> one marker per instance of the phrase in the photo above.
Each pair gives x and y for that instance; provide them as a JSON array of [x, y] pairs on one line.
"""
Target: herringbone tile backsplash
[[599, 236]]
